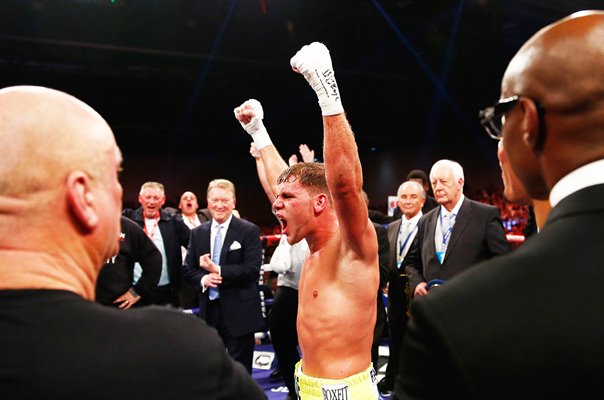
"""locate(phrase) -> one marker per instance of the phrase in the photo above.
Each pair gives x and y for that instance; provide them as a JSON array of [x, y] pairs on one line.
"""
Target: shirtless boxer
[[324, 204]]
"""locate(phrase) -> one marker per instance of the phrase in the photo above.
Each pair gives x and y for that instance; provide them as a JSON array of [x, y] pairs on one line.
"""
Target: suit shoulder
[[244, 223], [425, 217], [394, 225], [378, 227]]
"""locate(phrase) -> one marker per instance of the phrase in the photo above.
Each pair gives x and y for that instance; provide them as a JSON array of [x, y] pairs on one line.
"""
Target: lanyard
[[400, 252], [155, 223]]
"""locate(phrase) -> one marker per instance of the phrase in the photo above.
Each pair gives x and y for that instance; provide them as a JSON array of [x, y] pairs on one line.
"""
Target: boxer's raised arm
[[269, 162], [342, 165]]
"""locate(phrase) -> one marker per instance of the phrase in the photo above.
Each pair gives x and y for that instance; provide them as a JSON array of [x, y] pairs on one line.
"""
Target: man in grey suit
[[453, 237], [223, 261], [411, 199], [529, 325]]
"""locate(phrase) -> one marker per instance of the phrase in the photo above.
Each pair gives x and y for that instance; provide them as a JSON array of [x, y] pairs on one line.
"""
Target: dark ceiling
[[166, 74]]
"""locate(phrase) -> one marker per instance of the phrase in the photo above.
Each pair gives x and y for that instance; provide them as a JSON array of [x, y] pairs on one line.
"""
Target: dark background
[[166, 74]]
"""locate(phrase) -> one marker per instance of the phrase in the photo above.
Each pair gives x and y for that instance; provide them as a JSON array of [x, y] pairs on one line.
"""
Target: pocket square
[[235, 246]]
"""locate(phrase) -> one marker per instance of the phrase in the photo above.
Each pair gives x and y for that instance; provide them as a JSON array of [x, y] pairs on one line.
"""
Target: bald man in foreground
[[60, 204], [529, 325]]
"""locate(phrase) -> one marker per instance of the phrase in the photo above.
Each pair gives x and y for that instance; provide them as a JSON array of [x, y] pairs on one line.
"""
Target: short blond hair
[[153, 185], [311, 176], [222, 184]]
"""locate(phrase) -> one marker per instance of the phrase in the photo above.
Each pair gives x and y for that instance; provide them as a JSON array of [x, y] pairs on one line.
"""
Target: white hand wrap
[[313, 61], [255, 127]]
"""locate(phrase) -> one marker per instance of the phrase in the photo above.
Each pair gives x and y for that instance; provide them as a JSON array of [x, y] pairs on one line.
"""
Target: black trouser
[[161, 295], [284, 335], [188, 296], [240, 348], [397, 321]]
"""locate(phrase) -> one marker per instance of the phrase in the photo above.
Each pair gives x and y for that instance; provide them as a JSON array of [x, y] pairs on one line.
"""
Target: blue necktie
[[450, 221], [402, 242], [213, 292], [447, 228]]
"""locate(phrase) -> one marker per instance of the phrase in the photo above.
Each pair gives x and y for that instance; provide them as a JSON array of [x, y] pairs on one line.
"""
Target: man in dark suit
[[169, 233], [411, 198], [453, 237], [529, 325], [223, 261], [114, 285]]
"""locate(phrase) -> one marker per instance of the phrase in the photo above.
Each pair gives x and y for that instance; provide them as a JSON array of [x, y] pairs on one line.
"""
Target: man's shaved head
[[60, 197], [44, 133], [558, 123]]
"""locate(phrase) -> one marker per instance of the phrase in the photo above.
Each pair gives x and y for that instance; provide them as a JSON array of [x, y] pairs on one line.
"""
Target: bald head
[[561, 65], [188, 204], [558, 123], [58, 182], [46, 133]]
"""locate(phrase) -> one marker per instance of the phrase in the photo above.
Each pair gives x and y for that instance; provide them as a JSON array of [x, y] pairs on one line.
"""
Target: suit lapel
[[205, 238], [393, 231], [461, 222], [431, 231], [229, 239]]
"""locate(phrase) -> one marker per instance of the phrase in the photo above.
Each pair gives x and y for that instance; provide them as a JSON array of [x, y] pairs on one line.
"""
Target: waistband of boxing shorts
[[359, 386]]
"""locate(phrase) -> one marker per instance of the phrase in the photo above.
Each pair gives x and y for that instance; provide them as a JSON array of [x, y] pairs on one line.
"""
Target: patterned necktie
[[449, 221], [447, 228], [403, 241], [213, 292]]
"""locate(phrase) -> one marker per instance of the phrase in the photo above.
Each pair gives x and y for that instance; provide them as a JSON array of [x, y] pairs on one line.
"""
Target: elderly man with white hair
[[453, 237]]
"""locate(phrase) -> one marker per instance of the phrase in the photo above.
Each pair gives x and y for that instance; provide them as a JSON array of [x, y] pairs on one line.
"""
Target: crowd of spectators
[[513, 216]]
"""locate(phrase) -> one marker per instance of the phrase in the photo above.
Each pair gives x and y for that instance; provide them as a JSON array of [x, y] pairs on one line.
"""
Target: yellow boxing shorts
[[362, 386]]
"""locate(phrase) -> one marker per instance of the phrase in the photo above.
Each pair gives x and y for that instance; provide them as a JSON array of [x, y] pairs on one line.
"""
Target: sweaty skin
[[336, 314], [336, 303]]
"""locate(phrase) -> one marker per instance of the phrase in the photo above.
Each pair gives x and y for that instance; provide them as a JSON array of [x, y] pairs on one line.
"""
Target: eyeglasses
[[493, 118]]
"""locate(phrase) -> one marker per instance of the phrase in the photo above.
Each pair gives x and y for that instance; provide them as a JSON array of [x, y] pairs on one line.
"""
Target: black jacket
[[175, 233], [527, 325], [116, 276]]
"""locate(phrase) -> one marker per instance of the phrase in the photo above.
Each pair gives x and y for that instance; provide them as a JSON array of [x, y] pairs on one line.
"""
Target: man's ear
[[81, 200], [321, 202], [530, 125]]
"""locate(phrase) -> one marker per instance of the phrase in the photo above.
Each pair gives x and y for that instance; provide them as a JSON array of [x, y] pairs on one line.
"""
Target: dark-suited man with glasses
[[529, 325]]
